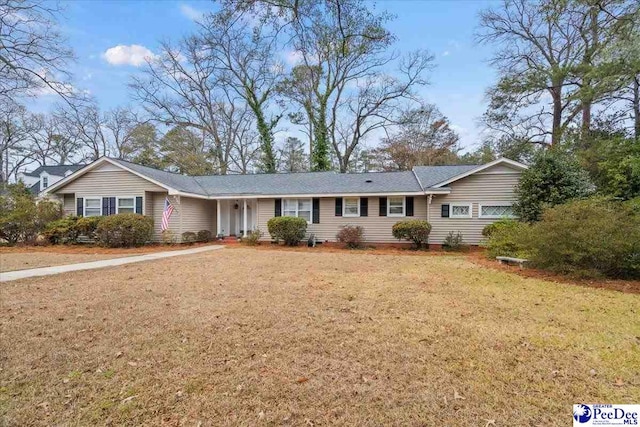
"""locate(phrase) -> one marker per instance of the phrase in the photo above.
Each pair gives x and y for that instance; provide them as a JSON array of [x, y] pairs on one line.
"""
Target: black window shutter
[[445, 211], [338, 206], [409, 206], [139, 205], [316, 211], [79, 206], [383, 206], [105, 206], [112, 205], [278, 207], [364, 206]]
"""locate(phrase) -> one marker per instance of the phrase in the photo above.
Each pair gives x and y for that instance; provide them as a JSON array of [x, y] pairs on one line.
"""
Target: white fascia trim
[[93, 165], [501, 160], [305, 196]]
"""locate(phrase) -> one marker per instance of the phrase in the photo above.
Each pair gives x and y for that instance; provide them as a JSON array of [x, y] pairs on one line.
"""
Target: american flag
[[166, 214]]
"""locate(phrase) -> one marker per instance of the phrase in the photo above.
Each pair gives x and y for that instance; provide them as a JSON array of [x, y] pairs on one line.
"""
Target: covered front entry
[[236, 217]]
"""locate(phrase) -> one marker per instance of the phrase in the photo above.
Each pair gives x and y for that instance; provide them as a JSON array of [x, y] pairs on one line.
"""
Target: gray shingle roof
[[434, 175], [311, 183], [303, 183], [188, 184], [57, 170]]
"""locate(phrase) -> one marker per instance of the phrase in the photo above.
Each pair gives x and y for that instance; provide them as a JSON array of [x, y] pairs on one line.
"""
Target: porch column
[[218, 219], [244, 214], [429, 198]]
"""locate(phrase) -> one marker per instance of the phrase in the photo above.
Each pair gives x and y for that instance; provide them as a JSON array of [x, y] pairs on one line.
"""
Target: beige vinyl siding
[[157, 208], [69, 204], [188, 215], [109, 183], [477, 190], [147, 204], [198, 214], [376, 228]]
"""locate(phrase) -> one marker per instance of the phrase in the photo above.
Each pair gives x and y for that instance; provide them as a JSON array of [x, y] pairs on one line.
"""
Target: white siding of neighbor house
[[376, 228], [493, 185]]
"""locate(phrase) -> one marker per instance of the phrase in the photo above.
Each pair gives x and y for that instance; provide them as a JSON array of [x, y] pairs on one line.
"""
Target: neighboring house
[[41, 178], [451, 198]]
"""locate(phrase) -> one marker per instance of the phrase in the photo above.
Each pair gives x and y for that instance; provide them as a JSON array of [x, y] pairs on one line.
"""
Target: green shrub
[[124, 230], [189, 237], [21, 218], [588, 237], [47, 211], [351, 235], [454, 242], [168, 237], [489, 229], [553, 178], [253, 237], [204, 236], [63, 230], [290, 230], [507, 237], [87, 226], [413, 230], [17, 214]]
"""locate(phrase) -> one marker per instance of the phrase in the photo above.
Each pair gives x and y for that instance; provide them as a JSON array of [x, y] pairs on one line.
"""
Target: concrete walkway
[[48, 271]]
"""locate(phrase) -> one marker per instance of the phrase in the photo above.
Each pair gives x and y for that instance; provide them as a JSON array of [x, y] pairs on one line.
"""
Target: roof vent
[[368, 180]]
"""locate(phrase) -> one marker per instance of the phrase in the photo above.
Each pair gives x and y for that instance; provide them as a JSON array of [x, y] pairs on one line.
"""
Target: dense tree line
[[224, 100]]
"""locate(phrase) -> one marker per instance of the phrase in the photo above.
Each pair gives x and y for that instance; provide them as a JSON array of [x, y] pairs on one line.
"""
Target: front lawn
[[272, 337]]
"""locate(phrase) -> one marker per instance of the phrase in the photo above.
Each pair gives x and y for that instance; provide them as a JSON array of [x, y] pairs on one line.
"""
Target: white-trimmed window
[[45, 181], [297, 207], [460, 210], [126, 205], [496, 210], [396, 206], [351, 206], [92, 206]]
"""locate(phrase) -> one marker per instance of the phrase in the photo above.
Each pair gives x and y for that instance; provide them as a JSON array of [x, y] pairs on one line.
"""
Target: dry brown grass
[[23, 260], [259, 337], [24, 257]]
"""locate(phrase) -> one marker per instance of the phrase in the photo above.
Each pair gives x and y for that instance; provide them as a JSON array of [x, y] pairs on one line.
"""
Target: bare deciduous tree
[[33, 56], [246, 61], [180, 88], [15, 127], [425, 138]]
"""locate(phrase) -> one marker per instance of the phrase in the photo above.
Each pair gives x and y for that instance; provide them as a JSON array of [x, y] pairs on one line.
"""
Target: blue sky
[[445, 28]]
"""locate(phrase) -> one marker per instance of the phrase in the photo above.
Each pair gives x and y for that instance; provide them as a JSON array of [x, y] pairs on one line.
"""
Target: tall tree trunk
[[556, 130], [586, 118], [320, 154], [636, 107]]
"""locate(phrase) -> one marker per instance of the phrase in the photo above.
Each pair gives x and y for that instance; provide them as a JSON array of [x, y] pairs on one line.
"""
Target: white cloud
[[292, 57], [134, 55], [191, 12], [446, 53]]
